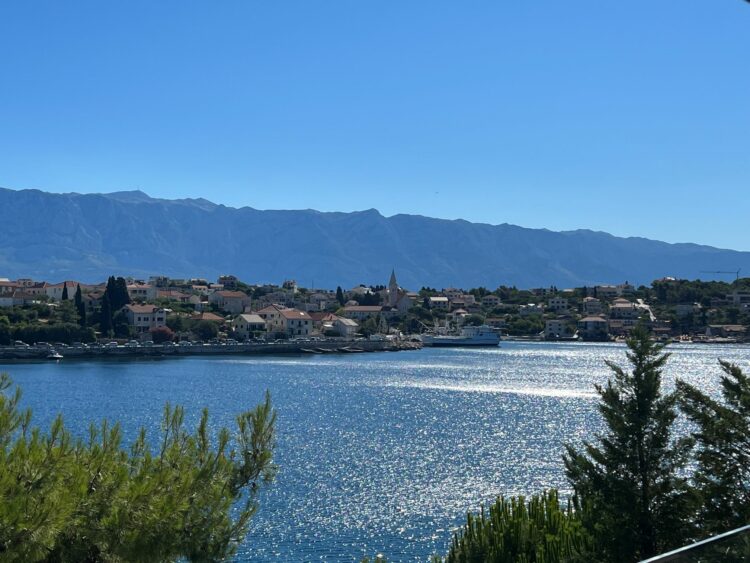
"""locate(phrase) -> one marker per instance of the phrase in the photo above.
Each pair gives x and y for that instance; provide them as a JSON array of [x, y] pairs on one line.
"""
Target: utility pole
[[735, 272]]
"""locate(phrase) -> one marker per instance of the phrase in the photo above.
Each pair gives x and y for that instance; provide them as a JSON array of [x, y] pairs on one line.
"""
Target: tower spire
[[393, 289]]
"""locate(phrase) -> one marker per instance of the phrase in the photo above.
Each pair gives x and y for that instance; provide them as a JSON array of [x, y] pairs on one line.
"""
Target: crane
[[735, 272]]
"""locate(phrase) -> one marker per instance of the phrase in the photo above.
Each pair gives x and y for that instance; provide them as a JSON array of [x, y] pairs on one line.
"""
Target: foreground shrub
[[63, 499], [632, 477], [518, 531], [722, 475]]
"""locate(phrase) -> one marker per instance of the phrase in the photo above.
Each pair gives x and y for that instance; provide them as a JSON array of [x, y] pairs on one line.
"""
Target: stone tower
[[392, 290]]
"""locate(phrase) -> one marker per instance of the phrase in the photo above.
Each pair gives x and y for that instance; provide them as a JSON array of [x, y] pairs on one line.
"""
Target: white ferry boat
[[470, 336]]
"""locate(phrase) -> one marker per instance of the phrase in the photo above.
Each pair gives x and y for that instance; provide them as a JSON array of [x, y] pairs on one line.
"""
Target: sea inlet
[[377, 453]]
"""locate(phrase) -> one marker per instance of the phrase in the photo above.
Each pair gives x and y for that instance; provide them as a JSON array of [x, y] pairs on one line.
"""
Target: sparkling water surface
[[378, 453]]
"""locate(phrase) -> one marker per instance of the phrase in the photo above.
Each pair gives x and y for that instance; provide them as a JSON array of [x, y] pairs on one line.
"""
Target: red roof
[[232, 294], [292, 314], [142, 309], [363, 309]]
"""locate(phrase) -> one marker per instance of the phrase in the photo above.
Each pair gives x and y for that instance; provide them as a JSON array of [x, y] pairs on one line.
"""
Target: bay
[[378, 453]]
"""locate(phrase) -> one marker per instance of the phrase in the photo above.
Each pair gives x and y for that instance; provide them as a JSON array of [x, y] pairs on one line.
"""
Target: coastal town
[[181, 312]]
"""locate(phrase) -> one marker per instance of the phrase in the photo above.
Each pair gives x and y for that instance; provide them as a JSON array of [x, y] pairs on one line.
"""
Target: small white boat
[[54, 355], [470, 336]]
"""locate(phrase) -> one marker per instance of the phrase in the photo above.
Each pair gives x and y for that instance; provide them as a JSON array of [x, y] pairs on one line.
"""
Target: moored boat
[[470, 336]]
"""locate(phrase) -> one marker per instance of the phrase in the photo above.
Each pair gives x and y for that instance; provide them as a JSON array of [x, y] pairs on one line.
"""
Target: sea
[[379, 453]]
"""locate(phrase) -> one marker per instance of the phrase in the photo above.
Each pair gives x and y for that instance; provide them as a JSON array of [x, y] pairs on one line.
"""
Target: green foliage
[[340, 296], [65, 296], [117, 290], [516, 530], [428, 292], [73, 500], [631, 482], [5, 334], [686, 291], [368, 327], [367, 299], [80, 307], [65, 312], [528, 326], [105, 316], [723, 450], [474, 320], [177, 323], [58, 332], [120, 325], [206, 330]]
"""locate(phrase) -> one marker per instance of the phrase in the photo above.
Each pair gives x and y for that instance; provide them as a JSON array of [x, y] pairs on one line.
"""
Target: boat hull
[[447, 342]]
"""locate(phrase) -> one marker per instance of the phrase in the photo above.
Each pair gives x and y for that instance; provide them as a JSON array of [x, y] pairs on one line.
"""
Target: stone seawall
[[270, 348]]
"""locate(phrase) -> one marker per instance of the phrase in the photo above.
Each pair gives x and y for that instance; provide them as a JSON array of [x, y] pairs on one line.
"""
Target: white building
[[593, 328], [440, 303], [248, 325], [591, 306], [230, 301], [145, 317], [345, 327], [362, 312], [557, 304], [295, 323], [557, 328], [272, 317], [491, 301]]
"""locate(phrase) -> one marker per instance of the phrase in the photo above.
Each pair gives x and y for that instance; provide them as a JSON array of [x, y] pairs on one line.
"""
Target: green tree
[[340, 296], [474, 320], [631, 482], [121, 292], [105, 316], [120, 325], [537, 530], [65, 292], [190, 498], [723, 449], [5, 332], [176, 323], [206, 330], [117, 291], [66, 312], [80, 307], [368, 327]]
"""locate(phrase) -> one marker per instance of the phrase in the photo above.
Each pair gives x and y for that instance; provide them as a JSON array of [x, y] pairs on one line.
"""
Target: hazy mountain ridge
[[91, 236]]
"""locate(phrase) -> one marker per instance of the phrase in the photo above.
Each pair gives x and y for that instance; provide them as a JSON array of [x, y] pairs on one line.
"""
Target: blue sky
[[628, 117]]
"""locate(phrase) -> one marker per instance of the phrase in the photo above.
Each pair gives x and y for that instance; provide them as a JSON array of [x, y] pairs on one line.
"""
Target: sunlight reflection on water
[[378, 452]]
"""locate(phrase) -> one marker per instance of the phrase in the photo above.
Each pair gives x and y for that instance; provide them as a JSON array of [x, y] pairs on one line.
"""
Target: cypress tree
[[105, 322], [117, 292], [340, 296], [65, 292], [630, 481], [121, 291], [80, 307], [110, 289], [723, 449]]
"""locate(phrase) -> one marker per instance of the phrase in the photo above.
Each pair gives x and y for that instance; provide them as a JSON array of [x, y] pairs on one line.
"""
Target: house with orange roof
[[248, 325], [143, 318], [295, 323], [234, 302]]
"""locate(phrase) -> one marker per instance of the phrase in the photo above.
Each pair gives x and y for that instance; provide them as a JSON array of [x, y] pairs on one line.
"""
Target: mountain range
[[88, 237]]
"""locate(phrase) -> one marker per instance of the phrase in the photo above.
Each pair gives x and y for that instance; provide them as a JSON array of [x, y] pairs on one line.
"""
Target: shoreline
[[10, 354]]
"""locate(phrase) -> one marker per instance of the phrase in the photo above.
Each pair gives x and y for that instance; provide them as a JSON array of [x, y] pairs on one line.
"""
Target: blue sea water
[[378, 453]]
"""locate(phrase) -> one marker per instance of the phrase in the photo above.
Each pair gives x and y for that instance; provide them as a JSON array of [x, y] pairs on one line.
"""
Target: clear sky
[[628, 117]]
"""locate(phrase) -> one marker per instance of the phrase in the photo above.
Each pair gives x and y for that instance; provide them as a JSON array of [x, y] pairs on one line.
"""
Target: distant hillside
[[89, 237]]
